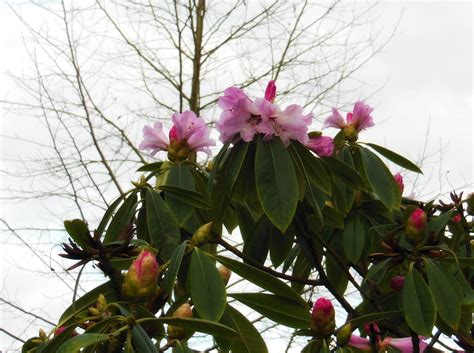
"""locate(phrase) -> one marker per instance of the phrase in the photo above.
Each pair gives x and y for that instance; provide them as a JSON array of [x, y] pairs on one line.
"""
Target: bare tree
[[102, 69]]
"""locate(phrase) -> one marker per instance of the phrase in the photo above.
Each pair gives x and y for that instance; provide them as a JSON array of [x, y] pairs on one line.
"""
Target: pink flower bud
[[456, 218], [270, 92], [416, 225], [399, 181], [323, 318], [397, 282], [140, 282]]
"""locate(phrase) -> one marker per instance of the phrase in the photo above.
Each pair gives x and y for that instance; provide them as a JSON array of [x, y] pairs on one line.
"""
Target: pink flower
[[245, 117], [397, 282], [323, 146], [192, 130], [357, 120], [323, 318], [399, 181], [360, 343], [154, 139], [270, 92], [416, 224], [404, 345], [188, 134]]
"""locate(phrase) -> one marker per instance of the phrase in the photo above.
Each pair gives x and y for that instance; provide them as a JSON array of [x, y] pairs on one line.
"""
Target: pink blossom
[[154, 139], [360, 343], [192, 130], [270, 91], [291, 124], [188, 131], [404, 345], [323, 146], [359, 118], [245, 117], [399, 181]]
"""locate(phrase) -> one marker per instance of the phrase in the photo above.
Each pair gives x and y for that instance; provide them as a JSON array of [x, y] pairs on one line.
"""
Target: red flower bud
[[140, 282], [415, 227], [399, 181], [270, 92], [323, 318], [397, 282]]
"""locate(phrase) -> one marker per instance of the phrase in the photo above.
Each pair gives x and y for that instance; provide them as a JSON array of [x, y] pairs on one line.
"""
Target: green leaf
[[360, 320], [261, 279], [150, 167], [345, 173], [353, 238], [257, 243], [418, 303], [78, 231], [193, 198], [162, 226], [87, 300], [438, 223], [380, 179], [280, 245], [277, 186], [122, 218], [175, 262], [313, 167], [181, 177], [395, 158], [105, 220], [86, 339], [447, 300], [206, 286], [335, 274], [251, 342], [276, 308], [205, 326], [141, 341]]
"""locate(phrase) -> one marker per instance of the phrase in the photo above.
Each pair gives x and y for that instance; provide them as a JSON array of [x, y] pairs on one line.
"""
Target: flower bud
[[351, 134], [344, 335], [397, 282], [176, 332], [140, 282], [415, 227], [399, 181], [323, 318], [202, 235], [270, 91], [225, 273]]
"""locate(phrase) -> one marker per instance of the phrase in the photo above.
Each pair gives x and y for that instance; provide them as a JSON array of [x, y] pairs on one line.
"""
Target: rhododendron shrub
[[315, 213]]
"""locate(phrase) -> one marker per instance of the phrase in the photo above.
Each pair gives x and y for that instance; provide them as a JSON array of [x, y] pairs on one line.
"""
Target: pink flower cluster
[[187, 130], [244, 117]]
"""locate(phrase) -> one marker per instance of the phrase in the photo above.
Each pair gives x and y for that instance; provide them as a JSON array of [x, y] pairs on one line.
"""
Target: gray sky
[[425, 78]]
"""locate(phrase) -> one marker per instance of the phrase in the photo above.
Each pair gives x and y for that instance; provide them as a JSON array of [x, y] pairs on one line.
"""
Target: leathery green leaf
[[206, 286], [418, 304], [277, 185]]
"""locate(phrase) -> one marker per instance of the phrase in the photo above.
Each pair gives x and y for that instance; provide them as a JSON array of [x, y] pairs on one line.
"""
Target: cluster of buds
[[323, 321], [140, 282], [176, 332], [100, 308]]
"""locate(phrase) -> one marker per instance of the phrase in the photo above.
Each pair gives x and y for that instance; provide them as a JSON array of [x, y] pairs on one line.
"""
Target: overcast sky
[[425, 79]]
